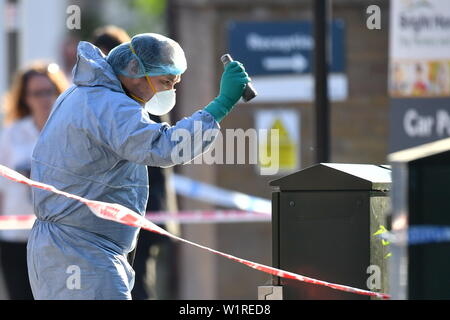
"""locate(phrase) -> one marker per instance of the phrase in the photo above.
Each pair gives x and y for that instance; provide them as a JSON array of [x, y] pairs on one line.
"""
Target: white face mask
[[161, 102]]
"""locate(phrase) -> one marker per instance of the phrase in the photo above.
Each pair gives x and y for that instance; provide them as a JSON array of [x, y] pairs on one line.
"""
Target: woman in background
[[27, 108]]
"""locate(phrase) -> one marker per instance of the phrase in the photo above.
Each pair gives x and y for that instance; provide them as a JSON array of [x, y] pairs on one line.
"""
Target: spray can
[[249, 91]]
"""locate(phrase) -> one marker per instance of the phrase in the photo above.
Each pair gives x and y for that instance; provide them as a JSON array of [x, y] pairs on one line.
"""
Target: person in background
[[154, 273], [420, 86], [69, 54], [108, 37], [28, 105]]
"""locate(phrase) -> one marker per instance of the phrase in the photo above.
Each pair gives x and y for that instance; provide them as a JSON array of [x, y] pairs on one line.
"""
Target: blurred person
[[108, 37], [69, 54], [443, 78], [150, 256], [97, 143], [27, 107], [420, 86], [398, 84]]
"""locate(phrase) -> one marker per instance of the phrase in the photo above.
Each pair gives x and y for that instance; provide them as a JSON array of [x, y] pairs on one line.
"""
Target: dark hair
[[15, 105], [108, 37]]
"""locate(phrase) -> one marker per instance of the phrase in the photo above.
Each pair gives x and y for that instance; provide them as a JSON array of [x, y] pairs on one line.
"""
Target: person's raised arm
[[132, 135]]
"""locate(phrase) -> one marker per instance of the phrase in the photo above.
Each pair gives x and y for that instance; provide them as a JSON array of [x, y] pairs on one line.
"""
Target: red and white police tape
[[15, 222], [118, 213]]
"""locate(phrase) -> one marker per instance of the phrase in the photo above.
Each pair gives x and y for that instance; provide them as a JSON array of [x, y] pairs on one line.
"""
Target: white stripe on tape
[[208, 193]]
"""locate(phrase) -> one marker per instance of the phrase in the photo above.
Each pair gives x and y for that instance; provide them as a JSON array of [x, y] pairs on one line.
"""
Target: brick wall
[[358, 125]]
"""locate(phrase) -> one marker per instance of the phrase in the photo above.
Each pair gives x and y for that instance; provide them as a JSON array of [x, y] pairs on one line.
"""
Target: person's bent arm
[[128, 130], [132, 135]]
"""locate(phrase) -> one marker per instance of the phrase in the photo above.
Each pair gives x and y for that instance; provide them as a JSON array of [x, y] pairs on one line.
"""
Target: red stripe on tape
[[16, 222]]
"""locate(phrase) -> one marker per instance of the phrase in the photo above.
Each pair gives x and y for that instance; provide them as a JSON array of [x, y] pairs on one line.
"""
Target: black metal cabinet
[[421, 196], [323, 220]]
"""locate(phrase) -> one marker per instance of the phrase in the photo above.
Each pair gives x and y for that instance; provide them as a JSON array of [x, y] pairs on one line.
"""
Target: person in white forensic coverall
[[97, 144]]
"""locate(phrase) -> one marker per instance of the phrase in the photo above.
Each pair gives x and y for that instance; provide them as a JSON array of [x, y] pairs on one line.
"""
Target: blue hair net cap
[[153, 55]]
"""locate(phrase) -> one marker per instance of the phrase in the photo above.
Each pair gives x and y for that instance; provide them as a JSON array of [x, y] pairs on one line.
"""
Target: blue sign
[[269, 48]]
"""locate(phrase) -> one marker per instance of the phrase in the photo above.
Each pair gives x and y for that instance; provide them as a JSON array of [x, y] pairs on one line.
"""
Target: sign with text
[[419, 76], [279, 58], [267, 48]]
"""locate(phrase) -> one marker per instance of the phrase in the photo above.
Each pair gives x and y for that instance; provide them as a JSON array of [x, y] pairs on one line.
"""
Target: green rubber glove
[[232, 85]]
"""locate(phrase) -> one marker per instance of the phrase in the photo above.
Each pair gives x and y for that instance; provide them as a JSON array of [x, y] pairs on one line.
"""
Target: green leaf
[[381, 230]]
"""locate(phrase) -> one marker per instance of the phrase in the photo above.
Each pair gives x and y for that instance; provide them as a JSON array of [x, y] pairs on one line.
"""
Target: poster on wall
[[419, 75], [286, 122]]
